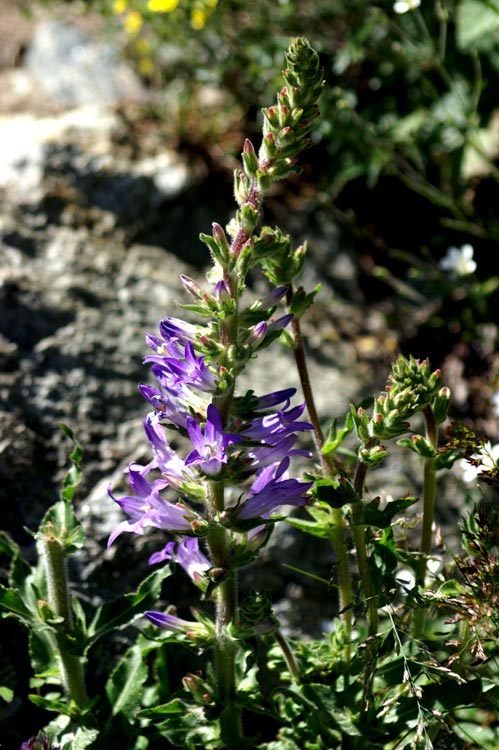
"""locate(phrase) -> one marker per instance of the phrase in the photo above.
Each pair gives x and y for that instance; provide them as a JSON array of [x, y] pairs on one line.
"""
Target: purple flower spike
[[209, 448], [40, 742], [165, 459], [176, 624], [273, 297], [271, 490], [280, 323], [200, 631], [192, 370], [271, 454], [274, 398], [147, 508], [277, 425], [188, 555], [177, 330], [163, 404]]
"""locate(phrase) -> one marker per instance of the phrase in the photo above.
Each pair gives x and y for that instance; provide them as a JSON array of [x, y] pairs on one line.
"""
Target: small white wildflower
[[405, 578], [403, 6], [458, 261], [489, 456]]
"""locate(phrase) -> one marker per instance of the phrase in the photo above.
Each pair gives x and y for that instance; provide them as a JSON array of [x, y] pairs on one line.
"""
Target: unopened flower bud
[[269, 147], [250, 159], [241, 187], [257, 334], [422, 446], [220, 238], [222, 292], [197, 686], [441, 404], [272, 116]]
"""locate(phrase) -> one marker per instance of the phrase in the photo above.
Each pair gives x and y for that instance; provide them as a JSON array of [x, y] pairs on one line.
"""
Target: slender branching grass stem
[[428, 515], [72, 671], [338, 539], [288, 655], [359, 536]]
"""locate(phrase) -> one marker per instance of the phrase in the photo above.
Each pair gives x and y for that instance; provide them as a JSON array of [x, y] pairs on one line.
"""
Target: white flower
[[458, 261], [489, 456], [403, 6]]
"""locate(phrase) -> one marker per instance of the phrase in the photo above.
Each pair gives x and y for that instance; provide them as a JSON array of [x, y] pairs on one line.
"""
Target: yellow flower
[[198, 18], [133, 22], [141, 46], [162, 6], [119, 6], [145, 66]]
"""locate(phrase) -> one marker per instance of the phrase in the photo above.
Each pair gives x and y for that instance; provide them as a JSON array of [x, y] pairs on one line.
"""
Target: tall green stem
[[359, 536], [338, 539], [58, 595], [428, 515], [226, 614]]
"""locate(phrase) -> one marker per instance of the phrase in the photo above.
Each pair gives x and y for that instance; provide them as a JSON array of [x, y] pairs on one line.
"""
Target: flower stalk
[[59, 601], [226, 614], [337, 536]]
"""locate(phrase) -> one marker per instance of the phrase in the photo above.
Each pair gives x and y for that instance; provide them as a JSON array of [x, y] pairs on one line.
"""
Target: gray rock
[[75, 69]]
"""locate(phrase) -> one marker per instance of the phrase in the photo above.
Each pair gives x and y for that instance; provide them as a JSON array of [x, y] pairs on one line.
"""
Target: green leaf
[[6, 694], [8, 546], [42, 651], [322, 530], [74, 475], [83, 738], [51, 703], [175, 706], [477, 24], [371, 515], [125, 686], [11, 600], [303, 300], [60, 522], [335, 492], [336, 435], [121, 612]]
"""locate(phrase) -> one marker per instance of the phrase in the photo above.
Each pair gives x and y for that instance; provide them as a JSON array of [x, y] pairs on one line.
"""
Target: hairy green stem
[[218, 539], [428, 515], [337, 536], [71, 666]]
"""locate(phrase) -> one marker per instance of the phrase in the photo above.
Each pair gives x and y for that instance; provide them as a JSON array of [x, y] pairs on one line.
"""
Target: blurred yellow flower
[[162, 6], [198, 18], [133, 22], [141, 46], [145, 66], [119, 6]]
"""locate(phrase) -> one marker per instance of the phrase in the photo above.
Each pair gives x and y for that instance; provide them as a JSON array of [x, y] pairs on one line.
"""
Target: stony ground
[[98, 218]]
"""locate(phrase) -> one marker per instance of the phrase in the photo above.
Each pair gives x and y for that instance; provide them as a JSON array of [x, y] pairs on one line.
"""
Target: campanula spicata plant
[[393, 670]]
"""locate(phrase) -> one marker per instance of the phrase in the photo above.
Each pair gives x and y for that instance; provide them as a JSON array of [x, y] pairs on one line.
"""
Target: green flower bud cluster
[[256, 615], [277, 260], [287, 124], [412, 387]]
